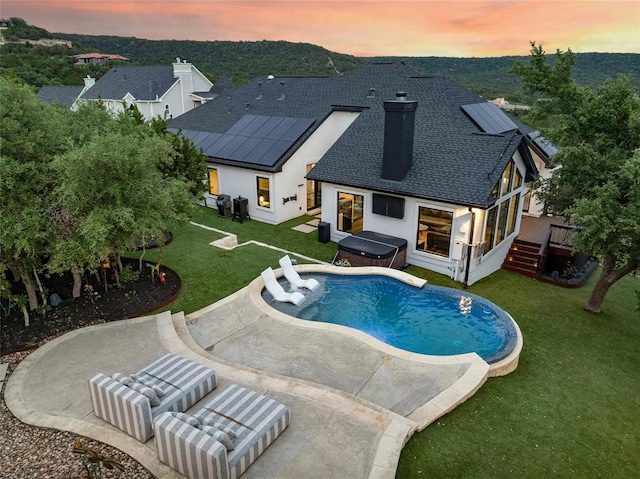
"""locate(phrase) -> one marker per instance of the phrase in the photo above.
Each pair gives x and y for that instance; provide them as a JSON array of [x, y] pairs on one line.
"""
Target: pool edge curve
[[500, 368]]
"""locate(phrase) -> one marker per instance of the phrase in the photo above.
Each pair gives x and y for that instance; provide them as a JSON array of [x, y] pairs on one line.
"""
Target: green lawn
[[571, 409]]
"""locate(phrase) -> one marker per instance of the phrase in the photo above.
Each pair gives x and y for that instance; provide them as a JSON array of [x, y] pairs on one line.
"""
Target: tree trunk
[[15, 272], [144, 250], [25, 313], [31, 290], [608, 276], [77, 281], [43, 294]]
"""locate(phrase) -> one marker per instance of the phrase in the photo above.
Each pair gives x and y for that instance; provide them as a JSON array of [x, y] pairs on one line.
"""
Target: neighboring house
[[435, 165], [505, 105], [98, 58], [154, 90], [63, 94]]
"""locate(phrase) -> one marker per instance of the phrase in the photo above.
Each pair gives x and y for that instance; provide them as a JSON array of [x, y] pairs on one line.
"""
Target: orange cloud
[[364, 28]]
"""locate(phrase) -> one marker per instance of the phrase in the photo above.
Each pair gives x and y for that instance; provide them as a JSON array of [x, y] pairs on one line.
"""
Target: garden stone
[[55, 299]]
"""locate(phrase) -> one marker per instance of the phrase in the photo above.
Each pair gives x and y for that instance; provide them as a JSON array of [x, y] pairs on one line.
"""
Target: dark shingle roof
[[63, 94], [454, 160], [143, 82]]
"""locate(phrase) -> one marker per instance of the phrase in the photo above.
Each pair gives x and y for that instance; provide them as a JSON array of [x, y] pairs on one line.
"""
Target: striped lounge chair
[[178, 383], [251, 420]]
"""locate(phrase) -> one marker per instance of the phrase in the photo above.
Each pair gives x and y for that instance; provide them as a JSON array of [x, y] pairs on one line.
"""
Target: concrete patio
[[354, 404]]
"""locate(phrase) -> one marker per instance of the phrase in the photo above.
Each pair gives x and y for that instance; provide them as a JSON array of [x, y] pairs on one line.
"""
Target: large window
[[502, 218], [350, 212], [214, 189], [263, 192], [434, 231]]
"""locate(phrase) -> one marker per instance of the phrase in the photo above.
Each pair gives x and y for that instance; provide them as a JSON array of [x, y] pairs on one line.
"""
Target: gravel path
[[33, 452]]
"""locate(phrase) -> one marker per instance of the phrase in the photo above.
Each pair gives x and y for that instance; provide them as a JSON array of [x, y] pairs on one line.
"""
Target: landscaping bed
[[129, 300]]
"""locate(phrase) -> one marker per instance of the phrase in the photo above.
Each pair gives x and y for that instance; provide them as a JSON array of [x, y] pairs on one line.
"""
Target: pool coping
[[499, 368]]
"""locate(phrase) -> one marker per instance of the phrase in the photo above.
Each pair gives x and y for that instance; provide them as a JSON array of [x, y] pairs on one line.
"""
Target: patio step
[[523, 271], [523, 258], [525, 247], [182, 330]]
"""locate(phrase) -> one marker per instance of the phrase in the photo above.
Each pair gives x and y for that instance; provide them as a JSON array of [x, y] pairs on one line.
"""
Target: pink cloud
[[407, 28]]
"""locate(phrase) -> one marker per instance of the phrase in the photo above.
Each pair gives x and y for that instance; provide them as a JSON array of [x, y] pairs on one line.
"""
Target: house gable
[[143, 83], [63, 94]]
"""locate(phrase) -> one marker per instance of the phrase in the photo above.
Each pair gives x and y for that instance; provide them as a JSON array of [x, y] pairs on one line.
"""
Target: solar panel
[[542, 143], [258, 139], [489, 118], [240, 124], [209, 140]]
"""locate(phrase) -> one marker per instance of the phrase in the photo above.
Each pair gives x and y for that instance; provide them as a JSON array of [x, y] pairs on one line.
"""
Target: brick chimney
[[399, 121]]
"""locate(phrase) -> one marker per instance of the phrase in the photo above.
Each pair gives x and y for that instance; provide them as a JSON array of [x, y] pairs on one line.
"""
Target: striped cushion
[[256, 419], [121, 406], [193, 379], [189, 450], [219, 436], [147, 392], [146, 381], [121, 378], [183, 381], [188, 418]]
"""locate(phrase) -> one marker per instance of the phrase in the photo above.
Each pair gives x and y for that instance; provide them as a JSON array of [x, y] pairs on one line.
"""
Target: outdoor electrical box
[[457, 252]]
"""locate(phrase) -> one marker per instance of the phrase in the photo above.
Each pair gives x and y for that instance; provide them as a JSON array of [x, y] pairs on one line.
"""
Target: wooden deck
[[535, 229]]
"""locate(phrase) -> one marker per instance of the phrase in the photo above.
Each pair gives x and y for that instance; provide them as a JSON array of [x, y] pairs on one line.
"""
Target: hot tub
[[368, 248]]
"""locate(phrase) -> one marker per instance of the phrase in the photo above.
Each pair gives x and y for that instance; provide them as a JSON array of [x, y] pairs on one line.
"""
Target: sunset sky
[[458, 28]]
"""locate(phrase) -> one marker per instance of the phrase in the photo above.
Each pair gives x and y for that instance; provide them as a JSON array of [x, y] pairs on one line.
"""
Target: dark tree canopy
[[80, 187], [597, 186]]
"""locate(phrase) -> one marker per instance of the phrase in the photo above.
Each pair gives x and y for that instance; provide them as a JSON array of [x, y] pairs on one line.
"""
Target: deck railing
[[542, 253]]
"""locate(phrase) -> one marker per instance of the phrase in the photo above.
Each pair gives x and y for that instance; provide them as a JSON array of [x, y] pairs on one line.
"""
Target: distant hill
[[242, 61], [490, 77]]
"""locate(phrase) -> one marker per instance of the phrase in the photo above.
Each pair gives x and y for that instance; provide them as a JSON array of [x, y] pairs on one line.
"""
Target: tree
[[112, 194], [598, 184], [610, 227], [30, 136], [189, 163]]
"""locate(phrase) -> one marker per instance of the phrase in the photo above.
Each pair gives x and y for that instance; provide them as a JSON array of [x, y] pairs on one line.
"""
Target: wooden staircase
[[524, 258]]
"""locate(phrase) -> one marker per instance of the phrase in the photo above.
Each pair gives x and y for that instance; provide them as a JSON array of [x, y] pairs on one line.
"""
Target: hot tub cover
[[372, 245]]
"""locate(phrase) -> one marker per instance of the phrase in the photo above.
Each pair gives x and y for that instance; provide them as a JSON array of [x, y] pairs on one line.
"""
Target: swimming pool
[[429, 320]]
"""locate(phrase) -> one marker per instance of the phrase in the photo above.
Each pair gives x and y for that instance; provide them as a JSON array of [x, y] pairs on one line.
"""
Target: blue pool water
[[429, 320]]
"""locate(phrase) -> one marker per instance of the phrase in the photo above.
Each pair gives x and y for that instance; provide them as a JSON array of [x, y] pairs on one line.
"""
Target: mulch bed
[[135, 298]]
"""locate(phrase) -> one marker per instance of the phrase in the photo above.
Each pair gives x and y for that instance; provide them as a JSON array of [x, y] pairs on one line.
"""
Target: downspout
[[469, 250]]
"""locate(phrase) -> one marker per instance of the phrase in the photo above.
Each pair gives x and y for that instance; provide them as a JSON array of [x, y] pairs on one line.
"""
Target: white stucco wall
[[287, 183], [406, 228]]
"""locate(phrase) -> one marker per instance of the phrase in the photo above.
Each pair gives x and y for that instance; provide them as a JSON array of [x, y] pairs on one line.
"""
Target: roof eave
[[410, 195]]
